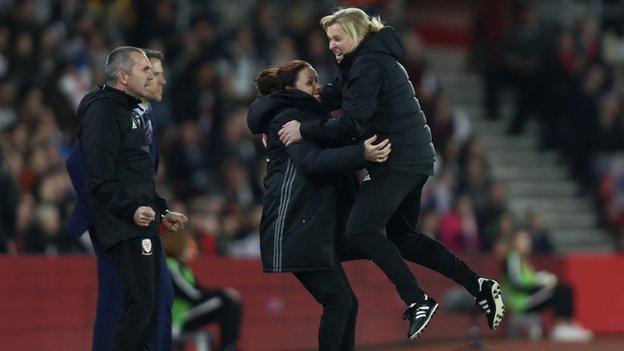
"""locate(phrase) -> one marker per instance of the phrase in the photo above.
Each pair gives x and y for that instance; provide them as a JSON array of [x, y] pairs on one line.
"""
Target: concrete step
[[525, 159], [567, 221], [574, 205], [498, 141], [534, 174], [477, 113], [534, 179], [448, 60], [582, 238], [470, 80], [542, 190], [460, 92], [571, 247], [483, 127]]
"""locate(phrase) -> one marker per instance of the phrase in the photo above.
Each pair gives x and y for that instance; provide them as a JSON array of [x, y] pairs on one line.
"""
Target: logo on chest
[[136, 120]]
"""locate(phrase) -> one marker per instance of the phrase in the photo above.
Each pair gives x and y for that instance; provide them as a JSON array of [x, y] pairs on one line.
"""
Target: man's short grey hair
[[119, 60]]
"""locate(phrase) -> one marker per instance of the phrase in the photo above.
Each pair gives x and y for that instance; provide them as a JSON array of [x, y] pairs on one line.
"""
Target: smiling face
[[340, 43], [307, 81]]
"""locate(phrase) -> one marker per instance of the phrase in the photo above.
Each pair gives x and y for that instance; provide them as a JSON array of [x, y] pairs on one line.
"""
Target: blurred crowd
[[565, 65], [53, 51]]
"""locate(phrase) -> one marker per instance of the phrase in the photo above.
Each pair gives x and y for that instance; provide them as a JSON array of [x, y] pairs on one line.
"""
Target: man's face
[[157, 84], [137, 82]]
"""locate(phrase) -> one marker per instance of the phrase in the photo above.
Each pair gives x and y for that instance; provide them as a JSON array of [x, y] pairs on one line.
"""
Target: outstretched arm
[[359, 104]]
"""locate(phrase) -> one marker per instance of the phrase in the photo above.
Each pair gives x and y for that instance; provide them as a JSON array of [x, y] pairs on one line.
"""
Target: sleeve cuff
[[309, 129], [163, 208], [360, 153], [129, 211]]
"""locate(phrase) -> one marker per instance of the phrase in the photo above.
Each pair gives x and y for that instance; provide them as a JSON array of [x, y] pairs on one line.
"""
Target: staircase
[[534, 179]]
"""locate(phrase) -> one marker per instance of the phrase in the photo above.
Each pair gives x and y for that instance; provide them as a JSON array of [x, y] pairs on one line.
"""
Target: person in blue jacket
[[109, 287]]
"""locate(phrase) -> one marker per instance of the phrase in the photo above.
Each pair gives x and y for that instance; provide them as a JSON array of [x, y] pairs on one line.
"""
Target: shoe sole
[[422, 329], [499, 305]]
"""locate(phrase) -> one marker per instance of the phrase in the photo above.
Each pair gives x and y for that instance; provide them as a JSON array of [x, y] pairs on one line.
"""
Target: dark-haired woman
[[307, 198]]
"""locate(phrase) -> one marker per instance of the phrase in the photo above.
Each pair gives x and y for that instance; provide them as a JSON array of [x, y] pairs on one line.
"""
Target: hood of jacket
[[385, 41], [106, 92], [266, 107]]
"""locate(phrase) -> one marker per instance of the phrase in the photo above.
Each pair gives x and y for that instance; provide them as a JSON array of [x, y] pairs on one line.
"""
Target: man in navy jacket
[[109, 287]]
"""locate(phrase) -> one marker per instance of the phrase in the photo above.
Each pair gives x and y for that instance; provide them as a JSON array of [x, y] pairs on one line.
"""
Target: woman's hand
[[376, 152], [290, 132]]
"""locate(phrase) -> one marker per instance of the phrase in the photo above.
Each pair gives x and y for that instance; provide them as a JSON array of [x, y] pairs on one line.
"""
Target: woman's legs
[[376, 202], [332, 290], [423, 250]]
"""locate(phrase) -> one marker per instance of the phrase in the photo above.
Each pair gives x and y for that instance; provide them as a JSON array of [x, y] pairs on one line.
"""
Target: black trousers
[[340, 305], [217, 306], [561, 298], [391, 200], [137, 262]]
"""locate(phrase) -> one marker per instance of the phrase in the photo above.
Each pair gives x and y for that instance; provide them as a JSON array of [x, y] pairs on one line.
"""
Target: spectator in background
[[195, 305], [191, 166], [523, 61], [540, 236], [426, 82], [581, 144], [497, 234], [442, 191], [526, 290], [489, 216], [458, 228], [69, 43], [430, 223], [8, 205], [8, 116]]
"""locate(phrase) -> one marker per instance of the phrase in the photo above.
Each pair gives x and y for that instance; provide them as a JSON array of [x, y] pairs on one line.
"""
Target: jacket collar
[[122, 96]]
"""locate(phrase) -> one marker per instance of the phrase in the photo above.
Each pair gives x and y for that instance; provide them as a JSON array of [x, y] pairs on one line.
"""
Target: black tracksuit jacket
[[118, 164], [377, 97], [308, 191]]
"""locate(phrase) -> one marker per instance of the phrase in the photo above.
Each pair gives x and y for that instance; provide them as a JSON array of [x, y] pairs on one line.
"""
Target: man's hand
[[290, 132], [175, 221], [376, 152], [144, 215]]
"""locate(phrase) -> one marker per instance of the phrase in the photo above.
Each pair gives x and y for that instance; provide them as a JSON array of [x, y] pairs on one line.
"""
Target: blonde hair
[[355, 22]]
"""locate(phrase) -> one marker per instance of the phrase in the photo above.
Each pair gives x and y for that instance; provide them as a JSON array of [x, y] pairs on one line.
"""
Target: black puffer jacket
[[303, 220], [118, 166], [377, 97]]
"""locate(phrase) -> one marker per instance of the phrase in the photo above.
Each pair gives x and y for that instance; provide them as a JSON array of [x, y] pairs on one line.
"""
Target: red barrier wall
[[598, 282], [49, 303]]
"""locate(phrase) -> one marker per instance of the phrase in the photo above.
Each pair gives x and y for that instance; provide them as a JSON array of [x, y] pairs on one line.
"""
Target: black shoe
[[490, 301], [419, 315]]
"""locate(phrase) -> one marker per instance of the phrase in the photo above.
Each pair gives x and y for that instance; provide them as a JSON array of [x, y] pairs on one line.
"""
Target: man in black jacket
[[121, 194]]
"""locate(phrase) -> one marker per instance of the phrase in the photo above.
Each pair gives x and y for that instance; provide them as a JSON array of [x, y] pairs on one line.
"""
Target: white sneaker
[[570, 332]]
